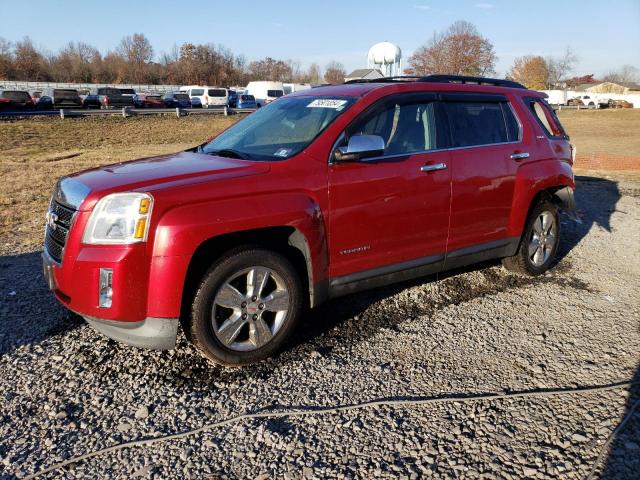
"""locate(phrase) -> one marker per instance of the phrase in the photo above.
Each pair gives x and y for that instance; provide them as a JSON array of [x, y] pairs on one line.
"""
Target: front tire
[[539, 244], [246, 306]]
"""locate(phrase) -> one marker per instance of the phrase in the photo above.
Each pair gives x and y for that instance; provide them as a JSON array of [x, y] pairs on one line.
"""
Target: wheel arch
[[286, 240]]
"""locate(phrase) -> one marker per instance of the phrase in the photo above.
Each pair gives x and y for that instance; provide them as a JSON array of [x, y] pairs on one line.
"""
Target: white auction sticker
[[327, 103]]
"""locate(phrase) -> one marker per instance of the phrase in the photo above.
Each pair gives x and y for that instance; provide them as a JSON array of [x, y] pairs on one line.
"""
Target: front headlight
[[119, 218]]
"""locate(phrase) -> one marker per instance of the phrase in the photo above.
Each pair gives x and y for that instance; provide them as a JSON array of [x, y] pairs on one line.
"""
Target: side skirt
[[420, 267]]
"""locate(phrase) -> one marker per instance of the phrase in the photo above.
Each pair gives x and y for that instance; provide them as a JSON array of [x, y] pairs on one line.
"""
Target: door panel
[[484, 135], [388, 210]]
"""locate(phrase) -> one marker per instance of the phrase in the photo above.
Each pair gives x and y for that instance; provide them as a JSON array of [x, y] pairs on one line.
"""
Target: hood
[[154, 173]]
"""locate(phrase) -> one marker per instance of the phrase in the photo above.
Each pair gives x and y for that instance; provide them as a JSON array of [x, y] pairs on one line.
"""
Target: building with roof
[[364, 74]]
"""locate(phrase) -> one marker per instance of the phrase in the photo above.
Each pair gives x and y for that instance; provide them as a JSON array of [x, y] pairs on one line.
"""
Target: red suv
[[323, 193]]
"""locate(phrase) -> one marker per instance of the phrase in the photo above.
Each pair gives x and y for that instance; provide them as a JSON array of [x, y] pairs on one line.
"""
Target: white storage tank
[[386, 57]]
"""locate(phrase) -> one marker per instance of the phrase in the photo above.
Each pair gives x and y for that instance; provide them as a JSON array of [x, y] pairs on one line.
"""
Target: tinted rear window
[[181, 96], [217, 92], [16, 96], [274, 93], [127, 91], [108, 91], [197, 92], [247, 98], [65, 93], [476, 123]]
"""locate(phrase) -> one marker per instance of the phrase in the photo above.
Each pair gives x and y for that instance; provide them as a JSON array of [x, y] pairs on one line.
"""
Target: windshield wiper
[[230, 153]]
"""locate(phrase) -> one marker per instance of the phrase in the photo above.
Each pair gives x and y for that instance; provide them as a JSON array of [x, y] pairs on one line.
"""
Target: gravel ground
[[428, 349]]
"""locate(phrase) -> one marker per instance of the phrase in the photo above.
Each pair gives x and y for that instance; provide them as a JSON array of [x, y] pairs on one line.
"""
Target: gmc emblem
[[51, 219]]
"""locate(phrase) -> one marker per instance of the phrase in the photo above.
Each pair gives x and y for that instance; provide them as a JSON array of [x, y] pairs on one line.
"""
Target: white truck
[[265, 92], [295, 87]]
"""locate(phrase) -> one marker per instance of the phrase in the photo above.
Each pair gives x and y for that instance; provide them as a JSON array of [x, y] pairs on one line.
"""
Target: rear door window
[[196, 92], [546, 117], [217, 92], [274, 93], [476, 123]]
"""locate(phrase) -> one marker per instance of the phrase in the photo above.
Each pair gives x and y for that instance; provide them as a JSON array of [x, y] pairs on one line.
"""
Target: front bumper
[[156, 333]]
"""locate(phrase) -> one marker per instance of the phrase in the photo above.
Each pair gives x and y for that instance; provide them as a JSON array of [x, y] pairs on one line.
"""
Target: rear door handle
[[519, 156], [434, 167]]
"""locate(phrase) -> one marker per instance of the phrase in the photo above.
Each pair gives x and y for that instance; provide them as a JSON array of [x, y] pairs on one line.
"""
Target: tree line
[[459, 50], [134, 61]]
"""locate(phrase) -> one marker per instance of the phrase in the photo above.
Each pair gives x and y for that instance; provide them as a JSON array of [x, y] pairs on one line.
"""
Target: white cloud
[[484, 5], [422, 7]]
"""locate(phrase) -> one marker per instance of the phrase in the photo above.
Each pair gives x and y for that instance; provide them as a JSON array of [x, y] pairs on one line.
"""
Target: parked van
[[265, 92], [295, 87], [208, 96]]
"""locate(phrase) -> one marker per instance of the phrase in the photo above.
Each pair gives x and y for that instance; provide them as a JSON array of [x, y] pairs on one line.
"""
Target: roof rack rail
[[398, 78], [475, 80], [497, 82]]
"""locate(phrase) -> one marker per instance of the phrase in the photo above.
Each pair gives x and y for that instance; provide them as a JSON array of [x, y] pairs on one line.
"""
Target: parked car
[[112, 97], [245, 101], [176, 99], [63, 97], [322, 193], [89, 99], [620, 104], [208, 96], [232, 99], [265, 92], [15, 100], [148, 100], [44, 103]]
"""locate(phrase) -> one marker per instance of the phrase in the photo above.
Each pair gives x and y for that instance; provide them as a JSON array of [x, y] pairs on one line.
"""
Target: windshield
[[280, 129]]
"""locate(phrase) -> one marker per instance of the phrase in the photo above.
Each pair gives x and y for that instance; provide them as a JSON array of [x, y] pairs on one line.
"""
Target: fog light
[[105, 291]]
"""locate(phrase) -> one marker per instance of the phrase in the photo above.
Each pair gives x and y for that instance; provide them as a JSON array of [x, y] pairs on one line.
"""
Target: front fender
[[181, 230]]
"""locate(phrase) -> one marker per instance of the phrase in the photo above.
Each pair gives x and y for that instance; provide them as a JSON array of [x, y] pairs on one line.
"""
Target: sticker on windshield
[[282, 152], [327, 103]]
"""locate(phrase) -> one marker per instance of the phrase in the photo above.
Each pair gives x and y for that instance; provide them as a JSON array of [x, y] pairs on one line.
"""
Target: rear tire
[[539, 243], [246, 306]]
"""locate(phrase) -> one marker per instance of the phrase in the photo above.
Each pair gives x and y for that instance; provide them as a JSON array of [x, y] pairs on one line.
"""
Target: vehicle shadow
[[28, 310], [596, 200], [622, 460]]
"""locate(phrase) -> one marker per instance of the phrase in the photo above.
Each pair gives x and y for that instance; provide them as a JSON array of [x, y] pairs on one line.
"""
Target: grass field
[[597, 131], [35, 152]]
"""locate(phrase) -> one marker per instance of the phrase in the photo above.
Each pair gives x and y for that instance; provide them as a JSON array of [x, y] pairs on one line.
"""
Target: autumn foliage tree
[[531, 71], [460, 50]]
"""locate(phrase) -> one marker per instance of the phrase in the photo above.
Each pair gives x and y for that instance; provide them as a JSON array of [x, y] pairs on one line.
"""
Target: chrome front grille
[[59, 220]]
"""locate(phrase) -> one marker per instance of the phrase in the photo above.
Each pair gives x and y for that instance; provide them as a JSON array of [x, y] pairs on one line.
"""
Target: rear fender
[[547, 177]]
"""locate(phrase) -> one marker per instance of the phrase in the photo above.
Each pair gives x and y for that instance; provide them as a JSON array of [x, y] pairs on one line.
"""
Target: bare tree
[[334, 72], [460, 50], [6, 59], [314, 74], [29, 63], [626, 74], [532, 71], [560, 67], [137, 51]]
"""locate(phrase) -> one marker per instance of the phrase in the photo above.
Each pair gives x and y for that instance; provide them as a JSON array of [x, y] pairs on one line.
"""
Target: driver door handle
[[433, 168], [519, 156]]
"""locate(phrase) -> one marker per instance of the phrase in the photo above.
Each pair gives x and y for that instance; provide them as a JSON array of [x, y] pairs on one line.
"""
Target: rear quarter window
[[546, 117]]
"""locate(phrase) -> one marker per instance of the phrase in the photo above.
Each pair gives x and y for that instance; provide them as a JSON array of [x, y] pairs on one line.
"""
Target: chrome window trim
[[422, 152]]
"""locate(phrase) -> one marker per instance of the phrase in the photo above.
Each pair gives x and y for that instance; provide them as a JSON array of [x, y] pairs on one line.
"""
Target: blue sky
[[605, 35]]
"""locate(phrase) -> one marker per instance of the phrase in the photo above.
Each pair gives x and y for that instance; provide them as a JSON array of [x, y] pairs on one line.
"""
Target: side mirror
[[359, 147]]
